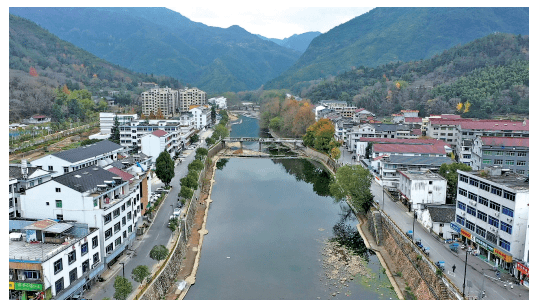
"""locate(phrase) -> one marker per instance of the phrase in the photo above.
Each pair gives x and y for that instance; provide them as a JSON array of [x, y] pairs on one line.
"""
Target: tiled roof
[[84, 152], [419, 160], [159, 133], [506, 141], [16, 171], [85, 179], [38, 116], [413, 119], [470, 124], [401, 141], [442, 213], [124, 175], [409, 148], [445, 116], [416, 132]]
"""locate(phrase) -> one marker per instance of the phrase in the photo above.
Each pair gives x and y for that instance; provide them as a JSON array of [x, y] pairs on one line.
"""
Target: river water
[[268, 225]]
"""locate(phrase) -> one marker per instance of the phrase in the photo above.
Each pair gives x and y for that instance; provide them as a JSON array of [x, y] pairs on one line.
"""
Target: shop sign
[[503, 256], [466, 234], [455, 227], [21, 286], [522, 268], [11, 285], [485, 245]]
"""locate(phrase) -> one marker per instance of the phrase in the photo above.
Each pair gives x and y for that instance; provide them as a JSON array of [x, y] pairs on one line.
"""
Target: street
[[158, 234], [494, 288]]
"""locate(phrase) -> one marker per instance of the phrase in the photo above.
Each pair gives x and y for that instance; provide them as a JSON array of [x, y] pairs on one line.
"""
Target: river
[[268, 225]]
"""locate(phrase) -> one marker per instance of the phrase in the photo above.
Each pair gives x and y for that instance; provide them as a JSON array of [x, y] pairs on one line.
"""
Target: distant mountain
[[385, 35], [161, 41], [39, 62], [298, 42]]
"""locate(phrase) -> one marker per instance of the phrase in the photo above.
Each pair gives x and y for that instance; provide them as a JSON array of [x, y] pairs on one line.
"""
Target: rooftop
[[442, 213], [421, 175], [509, 179], [485, 124], [159, 133], [418, 160], [506, 141], [410, 148], [89, 151], [85, 179]]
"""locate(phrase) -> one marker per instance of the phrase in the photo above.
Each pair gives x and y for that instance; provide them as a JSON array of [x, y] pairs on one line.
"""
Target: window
[[123, 207], [65, 169], [494, 206], [505, 244], [58, 266], [506, 227], [108, 233], [480, 231], [116, 212], [498, 161], [471, 210], [492, 238], [50, 168], [521, 171], [463, 178], [60, 285], [507, 211], [522, 154], [107, 218], [509, 195], [482, 216], [470, 226], [494, 221], [510, 154], [72, 257], [487, 161], [466, 156], [461, 205], [462, 192], [472, 196], [129, 215], [73, 275], [123, 221], [509, 162], [124, 234], [96, 258], [118, 241], [128, 203], [495, 190], [499, 153], [59, 204], [116, 227], [487, 152], [484, 186], [59, 217], [460, 220], [85, 267], [130, 229], [474, 182], [31, 275], [483, 201], [84, 248], [521, 163], [95, 242], [109, 248], [58, 189]]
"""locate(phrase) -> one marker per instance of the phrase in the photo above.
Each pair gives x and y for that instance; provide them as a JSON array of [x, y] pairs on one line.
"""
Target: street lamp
[[464, 277], [383, 197], [414, 220], [123, 275]]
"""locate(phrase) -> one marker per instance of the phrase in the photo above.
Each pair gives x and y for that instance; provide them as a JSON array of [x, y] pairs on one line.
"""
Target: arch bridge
[[296, 142]]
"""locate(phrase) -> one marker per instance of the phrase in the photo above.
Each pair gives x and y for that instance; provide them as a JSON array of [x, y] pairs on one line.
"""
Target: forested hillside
[[491, 74], [386, 35], [40, 62]]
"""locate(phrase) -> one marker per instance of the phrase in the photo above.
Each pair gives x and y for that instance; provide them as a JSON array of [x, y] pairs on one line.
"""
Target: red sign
[[503, 256], [466, 234], [522, 268]]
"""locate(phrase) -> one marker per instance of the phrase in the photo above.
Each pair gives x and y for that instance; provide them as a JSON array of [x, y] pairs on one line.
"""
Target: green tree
[[202, 152], [275, 123], [123, 288], [352, 183], [210, 141], [115, 132], [213, 114], [220, 131], [140, 273], [449, 172], [195, 165], [368, 150], [335, 153], [186, 193], [189, 181], [164, 168], [159, 252], [195, 138]]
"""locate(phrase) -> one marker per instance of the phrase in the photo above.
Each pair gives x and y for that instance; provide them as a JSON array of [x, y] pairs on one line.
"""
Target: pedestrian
[[453, 268]]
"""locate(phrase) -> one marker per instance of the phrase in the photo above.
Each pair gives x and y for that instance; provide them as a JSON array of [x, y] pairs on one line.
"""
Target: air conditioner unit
[[22, 277], [510, 220], [94, 265], [474, 203], [463, 213], [497, 214]]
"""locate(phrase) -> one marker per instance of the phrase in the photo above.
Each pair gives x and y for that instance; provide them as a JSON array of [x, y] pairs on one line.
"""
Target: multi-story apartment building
[[164, 99], [100, 153], [201, 116], [155, 143], [55, 260], [109, 200], [509, 153], [220, 102], [492, 214], [107, 120], [22, 177], [420, 188], [181, 130], [190, 97]]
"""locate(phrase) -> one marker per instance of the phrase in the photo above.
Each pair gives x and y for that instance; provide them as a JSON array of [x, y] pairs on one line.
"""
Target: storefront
[[25, 291], [522, 272]]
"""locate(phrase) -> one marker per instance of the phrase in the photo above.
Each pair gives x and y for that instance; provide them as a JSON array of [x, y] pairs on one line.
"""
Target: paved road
[[159, 233], [494, 289]]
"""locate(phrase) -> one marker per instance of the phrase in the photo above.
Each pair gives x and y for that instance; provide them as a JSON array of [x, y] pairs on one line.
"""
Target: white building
[[492, 214], [420, 188], [437, 219], [22, 177], [107, 120], [100, 153], [159, 141], [181, 130], [221, 102], [95, 196], [201, 116], [51, 258]]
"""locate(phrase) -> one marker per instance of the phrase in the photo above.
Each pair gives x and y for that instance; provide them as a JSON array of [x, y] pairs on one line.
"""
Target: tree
[[115, 132], [449, 172], [202, 152], [164, 167], [195, 165], [195, 138], [352, 184], [140, 273], [123, 288], [185, 193], [213, 114], [189, 181], [368, 150], [159, 253], [335, 153], [275, 123], [210, 141]]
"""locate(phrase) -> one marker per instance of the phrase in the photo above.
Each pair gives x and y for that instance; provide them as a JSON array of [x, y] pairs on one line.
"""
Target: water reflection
[[309, 172], [347, 236], [221, 163]]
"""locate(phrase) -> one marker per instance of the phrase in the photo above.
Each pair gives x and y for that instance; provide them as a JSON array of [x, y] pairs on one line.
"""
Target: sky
[[271, 21]]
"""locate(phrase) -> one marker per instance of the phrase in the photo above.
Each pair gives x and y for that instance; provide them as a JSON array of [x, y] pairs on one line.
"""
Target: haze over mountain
[[161, 41], [386, 35], [298, 42]]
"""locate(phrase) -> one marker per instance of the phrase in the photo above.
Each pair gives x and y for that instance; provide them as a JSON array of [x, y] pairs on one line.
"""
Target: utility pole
[[464, 278], [414, 219]]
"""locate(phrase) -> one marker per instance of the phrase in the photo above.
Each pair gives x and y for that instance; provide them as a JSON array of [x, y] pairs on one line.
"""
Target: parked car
[[177, 212]]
